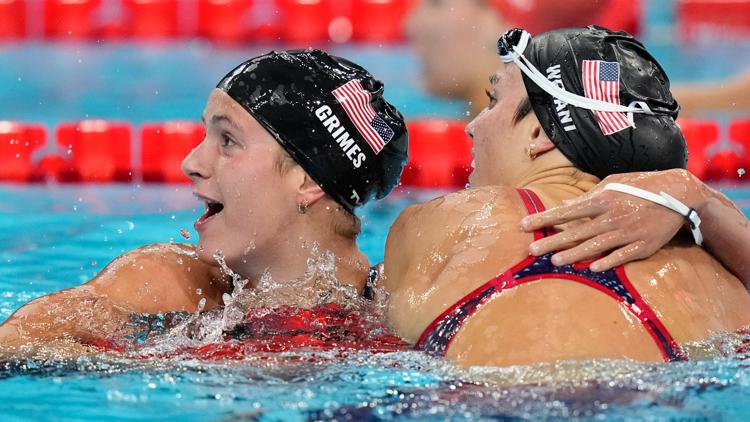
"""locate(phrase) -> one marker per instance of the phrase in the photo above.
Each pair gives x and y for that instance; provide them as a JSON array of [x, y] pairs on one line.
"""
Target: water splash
[[318, 286]]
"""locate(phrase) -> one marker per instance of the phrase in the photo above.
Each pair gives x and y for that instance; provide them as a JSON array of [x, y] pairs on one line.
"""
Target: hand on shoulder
[[628, 227]]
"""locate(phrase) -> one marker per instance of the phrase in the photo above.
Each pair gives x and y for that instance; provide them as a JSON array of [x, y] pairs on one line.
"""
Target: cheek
[[491, 136]]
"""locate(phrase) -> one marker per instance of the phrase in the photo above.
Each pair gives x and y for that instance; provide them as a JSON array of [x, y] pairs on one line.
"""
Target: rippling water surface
[[57, 237]]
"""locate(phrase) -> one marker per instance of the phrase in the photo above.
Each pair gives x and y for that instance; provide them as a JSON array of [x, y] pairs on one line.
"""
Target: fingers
[[591, 248], [630, 252], [570, 237], [559, 215]]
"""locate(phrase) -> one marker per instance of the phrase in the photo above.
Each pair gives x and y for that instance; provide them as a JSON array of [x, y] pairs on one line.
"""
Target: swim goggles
[[511, 46]]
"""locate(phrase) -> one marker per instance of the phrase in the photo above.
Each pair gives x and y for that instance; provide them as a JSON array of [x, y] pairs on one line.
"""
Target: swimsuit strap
[[372, 277], [438, 336], [534, 205]]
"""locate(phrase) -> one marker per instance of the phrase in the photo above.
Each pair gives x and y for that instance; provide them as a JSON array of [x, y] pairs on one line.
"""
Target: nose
[[193, 166], [470, 129]]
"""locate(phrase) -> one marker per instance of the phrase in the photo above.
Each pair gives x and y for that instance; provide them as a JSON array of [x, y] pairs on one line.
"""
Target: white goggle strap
[[667, 201], [516, 56]]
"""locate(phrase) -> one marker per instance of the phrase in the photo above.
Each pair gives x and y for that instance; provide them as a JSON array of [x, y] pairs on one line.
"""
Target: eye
[[492, 98], [226, 140]]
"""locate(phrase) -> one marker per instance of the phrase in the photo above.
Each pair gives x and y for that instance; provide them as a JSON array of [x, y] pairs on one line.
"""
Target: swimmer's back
[[546, 319]]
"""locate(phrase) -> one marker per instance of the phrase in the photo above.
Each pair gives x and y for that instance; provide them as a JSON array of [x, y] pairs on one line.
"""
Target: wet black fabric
[[290, 93], [656, 142]]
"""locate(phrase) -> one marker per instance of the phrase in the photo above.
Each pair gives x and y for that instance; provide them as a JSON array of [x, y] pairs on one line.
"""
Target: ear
[[539, 137], [308, 192]]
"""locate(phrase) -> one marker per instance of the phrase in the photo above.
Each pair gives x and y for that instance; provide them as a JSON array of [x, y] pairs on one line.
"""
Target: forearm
[[726, 234], [728, 95], [726, 231], [69, 316]]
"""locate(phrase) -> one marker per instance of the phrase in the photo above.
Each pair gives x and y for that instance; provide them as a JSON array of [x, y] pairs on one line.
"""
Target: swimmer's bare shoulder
[[421, 226], [160, 278], [428, 241], [151, 279]]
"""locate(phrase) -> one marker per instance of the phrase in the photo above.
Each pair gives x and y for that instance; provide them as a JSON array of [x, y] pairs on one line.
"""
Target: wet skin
[[440, 251], [252, 221]]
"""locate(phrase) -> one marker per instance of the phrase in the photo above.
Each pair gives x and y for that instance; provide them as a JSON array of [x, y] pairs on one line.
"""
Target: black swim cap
[[329, 114], [613, 67]]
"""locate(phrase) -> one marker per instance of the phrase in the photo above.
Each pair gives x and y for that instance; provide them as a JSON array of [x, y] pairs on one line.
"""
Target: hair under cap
[[329, 114], [591, 140]]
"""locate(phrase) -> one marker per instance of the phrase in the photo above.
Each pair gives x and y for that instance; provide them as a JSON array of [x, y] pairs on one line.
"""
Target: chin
[[206, 252], [205, 256]]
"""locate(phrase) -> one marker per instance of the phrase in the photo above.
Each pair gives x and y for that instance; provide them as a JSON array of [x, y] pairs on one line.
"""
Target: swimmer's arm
[[402, 249], [398, 250], [152, 279], [159, 278], [728, 95], [726, 233], [64, 318], [636, 228]]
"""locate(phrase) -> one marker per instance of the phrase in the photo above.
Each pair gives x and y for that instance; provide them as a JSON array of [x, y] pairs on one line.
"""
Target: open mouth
[[212, 208]]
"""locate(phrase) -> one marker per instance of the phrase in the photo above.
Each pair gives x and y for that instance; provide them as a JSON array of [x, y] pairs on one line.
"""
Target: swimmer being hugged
[[295, 142], [567, 108]]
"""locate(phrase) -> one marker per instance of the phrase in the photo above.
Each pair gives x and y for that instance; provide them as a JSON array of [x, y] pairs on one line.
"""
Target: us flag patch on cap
[[356, 102], [601, 81]]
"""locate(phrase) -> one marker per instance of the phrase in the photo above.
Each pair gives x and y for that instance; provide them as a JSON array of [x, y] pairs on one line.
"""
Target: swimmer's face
[[232, 170], [446, 35], [499, 143]]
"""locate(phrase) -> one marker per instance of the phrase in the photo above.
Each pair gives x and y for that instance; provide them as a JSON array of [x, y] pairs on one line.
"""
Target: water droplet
[[740, 172], [184, 233]]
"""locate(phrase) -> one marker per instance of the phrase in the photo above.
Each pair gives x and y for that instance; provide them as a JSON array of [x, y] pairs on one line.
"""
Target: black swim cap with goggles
[[329, 114], [578, 80]]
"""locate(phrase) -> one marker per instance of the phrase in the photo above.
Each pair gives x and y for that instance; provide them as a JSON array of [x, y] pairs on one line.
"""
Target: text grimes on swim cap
[[340, 135]]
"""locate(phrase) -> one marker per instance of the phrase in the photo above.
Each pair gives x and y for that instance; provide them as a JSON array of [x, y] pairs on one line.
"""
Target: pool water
[[57, 236], [53, 237]]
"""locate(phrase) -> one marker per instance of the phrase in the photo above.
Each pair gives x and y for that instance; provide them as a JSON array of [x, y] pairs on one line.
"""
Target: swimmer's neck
[[287, 260], [559, 182]]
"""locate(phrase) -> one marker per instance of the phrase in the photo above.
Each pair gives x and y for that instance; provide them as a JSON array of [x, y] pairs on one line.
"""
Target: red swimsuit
[[440, 333]]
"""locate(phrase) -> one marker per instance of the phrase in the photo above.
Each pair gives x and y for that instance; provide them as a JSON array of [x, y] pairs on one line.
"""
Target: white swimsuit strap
[[666, 201]]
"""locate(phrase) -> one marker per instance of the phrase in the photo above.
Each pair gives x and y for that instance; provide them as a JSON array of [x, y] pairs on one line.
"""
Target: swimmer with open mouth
[[281, 167], [295, 142]]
